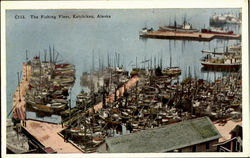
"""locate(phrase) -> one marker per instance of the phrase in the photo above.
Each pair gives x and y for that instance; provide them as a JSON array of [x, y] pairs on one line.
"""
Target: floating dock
[[195, 36]]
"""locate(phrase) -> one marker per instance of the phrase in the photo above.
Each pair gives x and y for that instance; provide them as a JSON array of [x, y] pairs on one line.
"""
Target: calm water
[[79, 40]]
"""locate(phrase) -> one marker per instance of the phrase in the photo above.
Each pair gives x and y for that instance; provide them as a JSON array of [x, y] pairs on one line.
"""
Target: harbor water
[[86, 42]]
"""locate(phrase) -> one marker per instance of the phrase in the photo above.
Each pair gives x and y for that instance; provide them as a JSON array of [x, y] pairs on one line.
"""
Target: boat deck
[[197, 36]]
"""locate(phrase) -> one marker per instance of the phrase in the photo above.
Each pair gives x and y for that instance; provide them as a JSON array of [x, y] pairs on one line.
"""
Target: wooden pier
[[47, 135], [129, 84], [19, 110], [195, 36]]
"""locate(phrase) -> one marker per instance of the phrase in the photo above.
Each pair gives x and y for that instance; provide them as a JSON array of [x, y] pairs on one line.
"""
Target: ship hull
[[220, 66], [168, 28]]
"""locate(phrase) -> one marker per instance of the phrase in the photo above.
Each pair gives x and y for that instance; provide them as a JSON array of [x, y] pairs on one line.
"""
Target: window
[[207, 145], [194, 148]]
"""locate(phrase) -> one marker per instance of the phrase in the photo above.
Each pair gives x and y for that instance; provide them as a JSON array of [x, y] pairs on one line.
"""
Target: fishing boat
[[171, 71], [58, 106], [226, 61], [186, 27], [43, 108], [134, 72], [145, 31], [98, 140]]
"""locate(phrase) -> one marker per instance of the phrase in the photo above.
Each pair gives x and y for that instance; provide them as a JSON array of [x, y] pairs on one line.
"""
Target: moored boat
[[171, 71], [186, 27], [43, 108], [225, 61], [221, 65], [145, 31]]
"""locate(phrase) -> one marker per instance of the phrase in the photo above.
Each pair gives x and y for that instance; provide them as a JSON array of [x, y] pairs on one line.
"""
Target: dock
[[225, 128], [47, 135], [195, 36], [129, 84], [19, 110], [119, 93]]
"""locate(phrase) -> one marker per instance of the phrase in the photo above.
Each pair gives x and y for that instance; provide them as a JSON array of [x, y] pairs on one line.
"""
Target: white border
[[139, 4]]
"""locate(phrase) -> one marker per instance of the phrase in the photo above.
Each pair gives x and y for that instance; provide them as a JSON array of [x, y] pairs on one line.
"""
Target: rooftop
[[225, 129], [165, 138]]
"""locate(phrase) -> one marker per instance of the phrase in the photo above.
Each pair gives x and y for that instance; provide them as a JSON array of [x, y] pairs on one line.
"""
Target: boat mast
[[26, 65], [85, 130], [136, 62], [70, 108], [53, 57], [170, 59], [50, 58], [19, 86], [45, 55]]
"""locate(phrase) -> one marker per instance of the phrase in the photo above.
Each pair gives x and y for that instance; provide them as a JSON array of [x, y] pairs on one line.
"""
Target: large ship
[[214, 30], [186, 27], [229, 61], [225, 19]]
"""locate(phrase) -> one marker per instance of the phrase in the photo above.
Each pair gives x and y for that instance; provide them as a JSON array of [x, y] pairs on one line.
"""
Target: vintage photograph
[[149, 80]]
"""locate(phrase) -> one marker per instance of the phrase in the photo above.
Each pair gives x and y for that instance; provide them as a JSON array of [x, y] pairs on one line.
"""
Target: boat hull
[[221, 66], [167, 28]]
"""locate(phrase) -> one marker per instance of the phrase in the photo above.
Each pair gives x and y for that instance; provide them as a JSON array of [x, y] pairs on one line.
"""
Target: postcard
[[119, 78]]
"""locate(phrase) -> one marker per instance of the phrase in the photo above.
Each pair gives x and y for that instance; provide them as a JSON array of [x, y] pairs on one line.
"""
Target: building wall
[[102, 148], [199, 147], [202, 147]]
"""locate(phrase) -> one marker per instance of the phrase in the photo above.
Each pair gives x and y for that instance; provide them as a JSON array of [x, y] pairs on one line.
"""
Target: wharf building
[[196, 135]]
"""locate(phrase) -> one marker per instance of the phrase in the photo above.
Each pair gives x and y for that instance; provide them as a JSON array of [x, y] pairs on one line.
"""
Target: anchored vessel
[[186, 27], [145, 31], [224, 61], [225, 19]]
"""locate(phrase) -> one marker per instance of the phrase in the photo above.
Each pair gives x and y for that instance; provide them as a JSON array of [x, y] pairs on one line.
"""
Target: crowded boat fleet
[[49, 85], [156, 100]]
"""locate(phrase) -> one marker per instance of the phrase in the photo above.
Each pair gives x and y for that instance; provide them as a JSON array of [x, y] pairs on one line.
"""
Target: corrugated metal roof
[[165, 138]]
